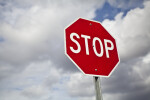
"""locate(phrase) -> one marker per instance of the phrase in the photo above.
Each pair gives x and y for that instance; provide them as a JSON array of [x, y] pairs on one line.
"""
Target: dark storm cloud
[[127, 79]]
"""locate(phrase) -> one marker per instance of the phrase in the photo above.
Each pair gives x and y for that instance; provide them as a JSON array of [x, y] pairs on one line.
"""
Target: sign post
[[92, 49], [97, 88]]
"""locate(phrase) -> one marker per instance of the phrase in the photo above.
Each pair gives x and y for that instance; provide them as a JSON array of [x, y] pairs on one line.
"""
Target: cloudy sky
[[33, 65]]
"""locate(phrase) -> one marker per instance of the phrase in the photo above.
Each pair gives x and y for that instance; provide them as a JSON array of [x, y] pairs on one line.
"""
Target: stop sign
[[91, 48]]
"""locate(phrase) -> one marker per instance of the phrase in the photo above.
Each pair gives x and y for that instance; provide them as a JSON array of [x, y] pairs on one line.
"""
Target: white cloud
[[131, 32], [32, 51], [147, 58], [80, 85], [33, 30], [36, 92], [36, 81], [130, 4]]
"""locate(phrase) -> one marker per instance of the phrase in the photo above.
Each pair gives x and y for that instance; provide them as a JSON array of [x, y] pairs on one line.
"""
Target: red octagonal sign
[[91, 48]]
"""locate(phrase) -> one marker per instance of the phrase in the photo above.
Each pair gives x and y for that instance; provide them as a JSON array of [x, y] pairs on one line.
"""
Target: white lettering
[[108, 48], [75, 41], [86, 43]]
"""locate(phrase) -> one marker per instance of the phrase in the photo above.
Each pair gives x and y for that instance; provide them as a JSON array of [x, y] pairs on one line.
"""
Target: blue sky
[[109, 11], [33, 65]]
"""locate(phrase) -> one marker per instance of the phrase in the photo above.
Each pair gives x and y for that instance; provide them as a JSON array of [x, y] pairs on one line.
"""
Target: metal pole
[[97, 88]]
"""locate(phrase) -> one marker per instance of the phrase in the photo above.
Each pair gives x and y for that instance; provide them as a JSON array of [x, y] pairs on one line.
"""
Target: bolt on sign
[[91, 48]]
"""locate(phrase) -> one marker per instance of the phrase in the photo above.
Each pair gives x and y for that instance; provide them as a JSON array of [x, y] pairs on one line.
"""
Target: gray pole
[[97, 88]]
